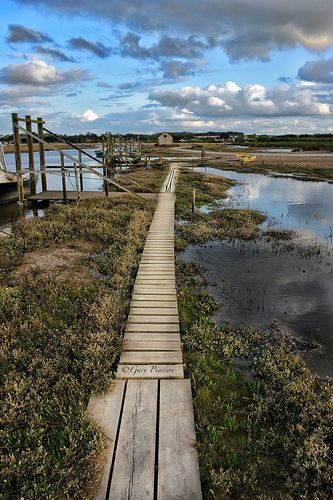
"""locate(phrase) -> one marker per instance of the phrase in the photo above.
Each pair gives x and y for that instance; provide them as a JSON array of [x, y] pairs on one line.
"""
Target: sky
[[254, 66]]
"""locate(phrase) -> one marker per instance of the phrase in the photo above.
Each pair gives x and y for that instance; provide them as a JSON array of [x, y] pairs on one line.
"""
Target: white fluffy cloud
[[88, 116], [38, 73], [230, 100]]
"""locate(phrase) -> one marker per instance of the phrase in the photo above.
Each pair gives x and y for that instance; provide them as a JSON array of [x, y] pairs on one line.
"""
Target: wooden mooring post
[[30, 144], [63, 177], [193, 201], [40, 129], [81, 171], [17, 146]]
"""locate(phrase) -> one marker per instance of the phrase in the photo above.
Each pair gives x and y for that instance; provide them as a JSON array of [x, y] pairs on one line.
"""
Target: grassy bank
[[64, 297], [264, 423]]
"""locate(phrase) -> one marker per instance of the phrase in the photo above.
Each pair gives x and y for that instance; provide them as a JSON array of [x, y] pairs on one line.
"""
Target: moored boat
[[8, 181]]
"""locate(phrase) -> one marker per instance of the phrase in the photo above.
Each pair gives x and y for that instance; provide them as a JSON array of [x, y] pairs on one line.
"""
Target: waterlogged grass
[[200, 227], [139, 180], [208, 189], [219, 224], [60, 341], [264, 422]]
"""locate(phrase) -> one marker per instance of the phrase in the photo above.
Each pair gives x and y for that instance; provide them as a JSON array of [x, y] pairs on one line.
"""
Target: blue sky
[[254, 66]]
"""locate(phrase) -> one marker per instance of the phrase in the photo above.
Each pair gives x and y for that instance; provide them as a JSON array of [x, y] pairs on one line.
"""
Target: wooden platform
[[84, 195], [148, 416], [150, 454]]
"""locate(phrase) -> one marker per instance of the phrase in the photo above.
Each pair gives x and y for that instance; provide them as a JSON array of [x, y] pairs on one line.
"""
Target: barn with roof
[[165, 139]]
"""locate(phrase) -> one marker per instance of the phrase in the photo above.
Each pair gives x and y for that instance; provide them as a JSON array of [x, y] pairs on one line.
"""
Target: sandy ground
[[64, 261], [308, 159]]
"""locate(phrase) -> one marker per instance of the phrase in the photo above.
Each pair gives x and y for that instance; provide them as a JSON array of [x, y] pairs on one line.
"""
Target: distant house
[[165, 139]]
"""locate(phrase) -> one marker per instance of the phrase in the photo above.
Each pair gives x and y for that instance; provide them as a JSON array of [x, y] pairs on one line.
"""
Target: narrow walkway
[[149, 422]]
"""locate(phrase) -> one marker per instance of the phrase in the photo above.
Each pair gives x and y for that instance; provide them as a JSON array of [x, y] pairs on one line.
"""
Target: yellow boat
[[246, 157]]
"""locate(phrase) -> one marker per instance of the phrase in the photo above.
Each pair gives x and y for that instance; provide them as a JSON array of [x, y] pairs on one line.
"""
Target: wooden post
[[63, 177], [42, 153], [17, 145], [30, 144], [80, 167], [77, 182], [105, 173], [193, 201]]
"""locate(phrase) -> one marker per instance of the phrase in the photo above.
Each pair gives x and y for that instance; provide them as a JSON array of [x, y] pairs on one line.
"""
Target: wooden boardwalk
[[148, 417]]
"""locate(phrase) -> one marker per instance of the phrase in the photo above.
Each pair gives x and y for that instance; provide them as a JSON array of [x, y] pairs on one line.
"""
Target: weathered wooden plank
[[156, 273], [154, 290], [163, 311], [162, 298], [156, 327], [177, 457], [168, 264], [156, 282], [155, 337], [143, 319], [150, 357], [150, 372], [154, 276], [105, 411], [150, 345], [166, 267], [134, 465]]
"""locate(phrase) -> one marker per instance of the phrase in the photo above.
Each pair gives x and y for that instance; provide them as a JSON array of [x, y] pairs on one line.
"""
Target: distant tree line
[[301, 141]]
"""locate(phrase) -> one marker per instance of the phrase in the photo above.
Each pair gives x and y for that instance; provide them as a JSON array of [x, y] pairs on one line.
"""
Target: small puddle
[[259, 281]]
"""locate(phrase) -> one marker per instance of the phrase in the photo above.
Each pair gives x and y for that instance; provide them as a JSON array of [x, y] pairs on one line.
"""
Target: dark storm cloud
[[19, 34], [55, 54], [243, 28], [96, 48], [317, 71], [167, 46], [173, 70]]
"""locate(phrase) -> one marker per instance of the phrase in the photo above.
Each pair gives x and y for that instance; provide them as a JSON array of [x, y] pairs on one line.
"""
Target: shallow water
[[11, 211], [257, 281]]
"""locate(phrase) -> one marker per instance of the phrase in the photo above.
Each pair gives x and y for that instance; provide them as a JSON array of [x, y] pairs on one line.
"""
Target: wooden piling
[[41, 152], [81, 171], [63, 177], [77, 187], [193, 201], [30, 144], [18, 163]]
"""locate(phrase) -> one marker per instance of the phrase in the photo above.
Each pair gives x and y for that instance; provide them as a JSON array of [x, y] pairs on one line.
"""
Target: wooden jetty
[[115, 155], [148, 418]]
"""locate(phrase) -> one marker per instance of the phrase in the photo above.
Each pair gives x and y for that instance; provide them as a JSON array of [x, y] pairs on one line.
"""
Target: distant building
[[165, 139]]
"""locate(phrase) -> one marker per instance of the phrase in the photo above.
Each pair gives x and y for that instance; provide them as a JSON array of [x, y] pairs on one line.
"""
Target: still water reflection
[[257, 282]]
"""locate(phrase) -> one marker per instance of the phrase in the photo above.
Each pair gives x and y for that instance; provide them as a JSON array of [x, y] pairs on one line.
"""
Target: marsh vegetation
[[64, 297]]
